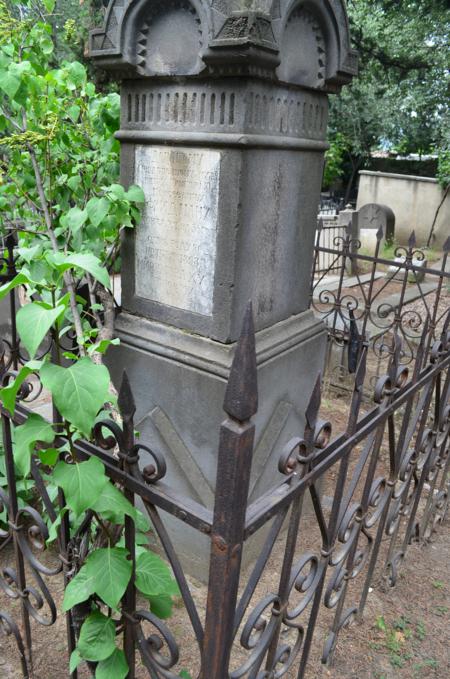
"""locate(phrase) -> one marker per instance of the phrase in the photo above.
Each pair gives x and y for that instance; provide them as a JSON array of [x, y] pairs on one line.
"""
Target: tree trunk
[[355, 167], [436, 215]]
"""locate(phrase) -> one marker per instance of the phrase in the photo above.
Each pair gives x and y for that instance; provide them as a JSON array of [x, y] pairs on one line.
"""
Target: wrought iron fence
[[390, 488], [380, 299], [328, 229]]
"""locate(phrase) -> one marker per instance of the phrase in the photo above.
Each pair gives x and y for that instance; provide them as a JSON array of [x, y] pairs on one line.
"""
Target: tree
[[443, 177], [401, 96], [59, 167]]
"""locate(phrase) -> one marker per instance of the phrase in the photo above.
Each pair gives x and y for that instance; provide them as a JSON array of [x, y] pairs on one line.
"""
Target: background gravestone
[[223, 124], [370, 218]]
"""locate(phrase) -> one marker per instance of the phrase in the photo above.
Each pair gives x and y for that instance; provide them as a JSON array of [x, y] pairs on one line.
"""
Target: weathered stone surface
[[179, 382], [223, 123], [299, 43], [372, 220], [373, 216], [176, 239]]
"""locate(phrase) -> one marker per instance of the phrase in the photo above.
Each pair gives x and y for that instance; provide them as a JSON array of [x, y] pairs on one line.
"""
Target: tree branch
[[68, 279], [386, 60], [93, 302]]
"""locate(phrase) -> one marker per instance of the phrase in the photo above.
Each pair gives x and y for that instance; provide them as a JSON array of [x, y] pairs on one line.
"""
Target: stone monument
[[370, 219], [223, 124]]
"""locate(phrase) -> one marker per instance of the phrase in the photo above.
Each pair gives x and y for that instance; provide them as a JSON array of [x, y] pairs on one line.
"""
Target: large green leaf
[[78, 391], [82, 483], [30, 254], [106, 572], [33, 323], [116, 191], [161, 605], [97, 209], [135, 194], [114, 667], [79, 589], [153, 576], [9, 84], [81, 260], [20, 279], [112, 570], [76, 73], [90, 263], [8, 394], [113, 505], [97, 636], [26, 436], [75, 218]]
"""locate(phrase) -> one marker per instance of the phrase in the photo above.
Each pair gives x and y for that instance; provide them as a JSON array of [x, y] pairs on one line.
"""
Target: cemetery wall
[[414, 201]]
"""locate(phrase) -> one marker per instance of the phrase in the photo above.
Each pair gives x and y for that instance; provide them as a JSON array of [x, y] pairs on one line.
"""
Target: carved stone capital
[[298, 42]]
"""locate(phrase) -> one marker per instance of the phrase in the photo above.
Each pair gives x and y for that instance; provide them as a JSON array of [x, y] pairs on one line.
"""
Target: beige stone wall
[[414, 201]]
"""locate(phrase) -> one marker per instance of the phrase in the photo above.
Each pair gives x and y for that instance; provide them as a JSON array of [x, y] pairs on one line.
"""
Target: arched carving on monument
[[314, 43], [170, 39], [153, 37], [300, 42]]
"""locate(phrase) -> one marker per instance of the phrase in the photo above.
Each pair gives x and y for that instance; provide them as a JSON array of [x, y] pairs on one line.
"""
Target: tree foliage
[[400, 99], [59, 193], [59, 168]]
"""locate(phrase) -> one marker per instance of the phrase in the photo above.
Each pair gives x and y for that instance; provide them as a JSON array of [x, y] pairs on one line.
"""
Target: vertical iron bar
[[305, 453], [233, 480], [10, 243], [127, 409], [13, 509], [64, 528], [437, 299], [316, 263]]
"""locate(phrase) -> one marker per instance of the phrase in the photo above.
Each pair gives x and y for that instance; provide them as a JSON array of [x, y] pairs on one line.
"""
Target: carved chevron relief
[[189, 467]]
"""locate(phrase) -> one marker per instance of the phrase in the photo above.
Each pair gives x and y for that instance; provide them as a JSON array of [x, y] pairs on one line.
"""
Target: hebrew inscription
[[176, 240]]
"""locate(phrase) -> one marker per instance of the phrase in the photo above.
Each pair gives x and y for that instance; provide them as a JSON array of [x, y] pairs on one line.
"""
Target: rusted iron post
[[20, 580], [233, 478], [129, 458]]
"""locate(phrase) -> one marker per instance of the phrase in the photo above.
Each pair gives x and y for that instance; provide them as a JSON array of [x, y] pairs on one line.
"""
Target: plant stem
[[68, 279]]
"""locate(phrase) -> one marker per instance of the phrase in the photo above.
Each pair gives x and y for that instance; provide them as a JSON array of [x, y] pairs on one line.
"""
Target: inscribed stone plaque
[[176, 240]]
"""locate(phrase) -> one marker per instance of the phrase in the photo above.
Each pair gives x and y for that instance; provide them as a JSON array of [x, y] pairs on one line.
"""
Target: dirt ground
[[405, 632]]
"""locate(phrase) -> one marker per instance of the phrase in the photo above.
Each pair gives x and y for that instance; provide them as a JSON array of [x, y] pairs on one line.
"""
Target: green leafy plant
[[334, 160], [58, 187], [25, 491]]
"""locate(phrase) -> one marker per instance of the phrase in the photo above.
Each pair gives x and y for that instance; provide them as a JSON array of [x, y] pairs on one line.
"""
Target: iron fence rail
[[390, 488], [357, 309]]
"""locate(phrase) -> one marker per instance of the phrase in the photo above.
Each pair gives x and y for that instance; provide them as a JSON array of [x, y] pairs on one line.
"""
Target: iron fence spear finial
[[312, 410], [412, 240], [357, 396], [125, 400], [241, 396], [421, 348]]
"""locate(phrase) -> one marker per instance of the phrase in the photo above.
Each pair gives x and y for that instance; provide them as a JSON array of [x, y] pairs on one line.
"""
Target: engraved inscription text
[[176, 240]]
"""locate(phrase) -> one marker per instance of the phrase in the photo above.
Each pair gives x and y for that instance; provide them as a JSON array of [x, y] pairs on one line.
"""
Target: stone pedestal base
[[179, 381]]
